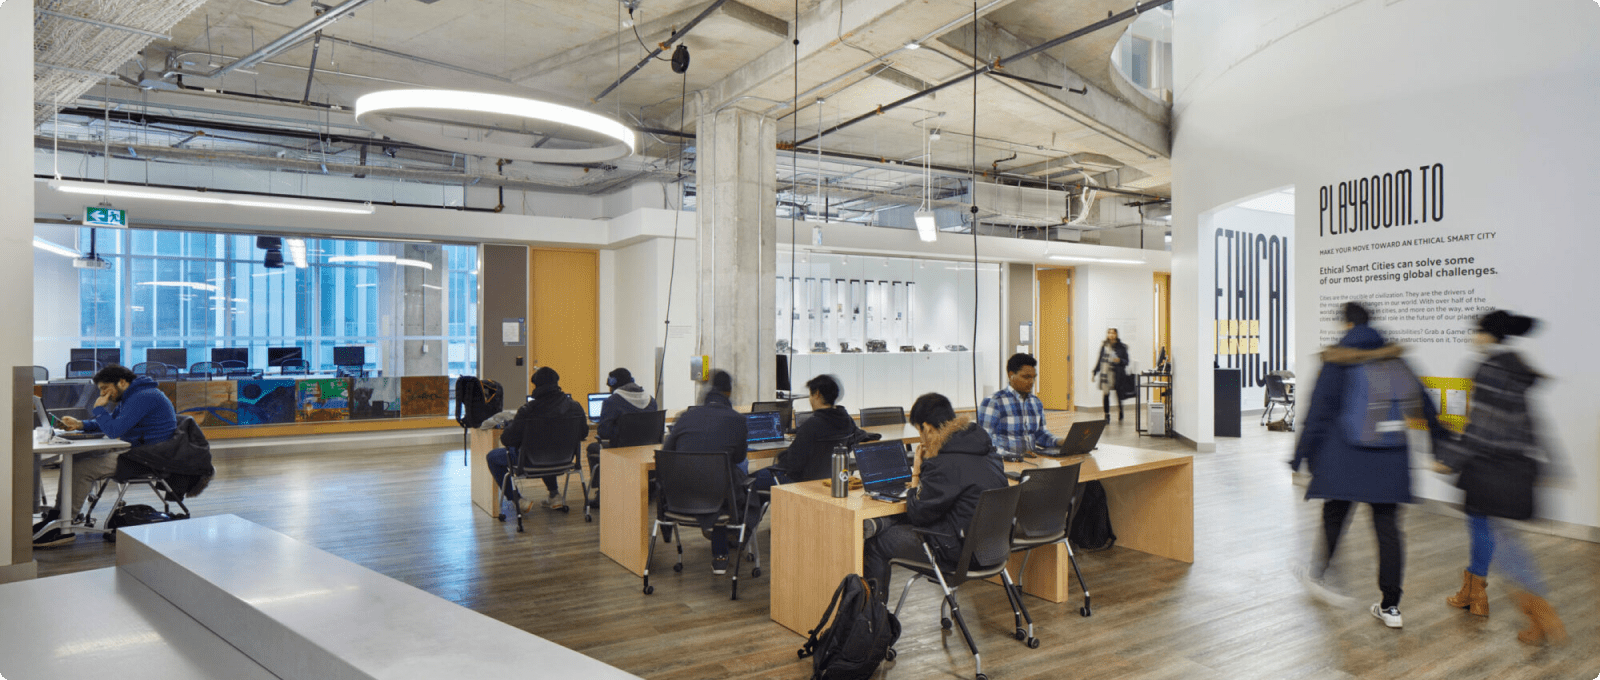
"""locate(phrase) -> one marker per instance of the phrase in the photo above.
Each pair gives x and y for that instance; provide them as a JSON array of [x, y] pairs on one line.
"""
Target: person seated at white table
[[1014, 416], [130, 408], [956, 469]]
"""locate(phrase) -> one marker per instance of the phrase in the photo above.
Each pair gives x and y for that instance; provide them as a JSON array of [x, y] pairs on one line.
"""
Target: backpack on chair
[[858, 639], [477, 400]]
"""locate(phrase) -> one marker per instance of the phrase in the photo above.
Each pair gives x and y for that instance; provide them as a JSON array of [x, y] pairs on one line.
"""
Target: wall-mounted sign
[[101, 216]]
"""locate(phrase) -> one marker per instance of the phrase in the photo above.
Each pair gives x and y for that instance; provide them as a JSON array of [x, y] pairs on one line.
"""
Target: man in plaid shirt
[[1014, 417]]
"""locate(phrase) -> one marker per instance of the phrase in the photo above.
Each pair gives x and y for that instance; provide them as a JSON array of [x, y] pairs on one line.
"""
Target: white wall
[[1315, 93], [16, 279], [1110, 296], [55, 323]]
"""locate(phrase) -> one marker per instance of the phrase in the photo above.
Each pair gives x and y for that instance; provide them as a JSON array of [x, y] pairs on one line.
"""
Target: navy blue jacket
[[956, 470], [143, 416], [712, 426], [616, 405], [1339, 469]]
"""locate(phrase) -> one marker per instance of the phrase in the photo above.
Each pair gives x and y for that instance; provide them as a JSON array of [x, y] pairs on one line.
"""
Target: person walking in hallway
[[1496, 459], [1354, 441], [1111, 373]]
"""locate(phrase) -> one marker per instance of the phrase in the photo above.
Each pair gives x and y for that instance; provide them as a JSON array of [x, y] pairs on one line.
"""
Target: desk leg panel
[[485, 489], [624, 532], [1048, 575], [814, 546], [1153, 511]]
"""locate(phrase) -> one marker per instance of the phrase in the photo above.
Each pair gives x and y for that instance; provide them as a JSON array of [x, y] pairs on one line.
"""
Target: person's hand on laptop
[[71, 423]]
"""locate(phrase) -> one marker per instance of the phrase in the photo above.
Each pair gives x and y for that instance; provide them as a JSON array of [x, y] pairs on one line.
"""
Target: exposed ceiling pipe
[[284, 42], [993, 66], [676, 35]]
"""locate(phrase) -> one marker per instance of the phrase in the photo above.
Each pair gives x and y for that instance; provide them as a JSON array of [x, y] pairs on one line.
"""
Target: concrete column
[[16, 278], [736, 185], [425, 308]]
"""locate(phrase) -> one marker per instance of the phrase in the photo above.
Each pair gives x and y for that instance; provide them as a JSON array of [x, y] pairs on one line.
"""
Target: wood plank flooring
[[1237, 612]]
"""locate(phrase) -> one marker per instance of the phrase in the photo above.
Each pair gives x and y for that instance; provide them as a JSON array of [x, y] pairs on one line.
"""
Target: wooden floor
[[1237, 612]]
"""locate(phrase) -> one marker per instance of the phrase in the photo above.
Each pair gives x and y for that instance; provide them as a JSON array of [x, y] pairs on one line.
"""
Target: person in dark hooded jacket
[[548, 401], [806, 457], [956, 468], [626, 397], [1344, 472]]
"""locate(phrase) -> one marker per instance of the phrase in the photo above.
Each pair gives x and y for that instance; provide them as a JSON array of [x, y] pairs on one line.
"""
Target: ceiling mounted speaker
[[269, 242], [680, 59], [273, 260]]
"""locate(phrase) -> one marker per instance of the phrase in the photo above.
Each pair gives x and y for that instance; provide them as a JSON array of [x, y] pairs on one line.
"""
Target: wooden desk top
[[647, 453]]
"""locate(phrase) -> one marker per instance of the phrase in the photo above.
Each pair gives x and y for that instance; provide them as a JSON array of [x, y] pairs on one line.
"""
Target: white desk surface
[[102, 624], [80, 446]]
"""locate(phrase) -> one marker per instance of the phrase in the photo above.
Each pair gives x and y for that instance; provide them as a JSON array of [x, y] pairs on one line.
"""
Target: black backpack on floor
[[137, 515], [477, 400], [1091, 524], [859, 638]]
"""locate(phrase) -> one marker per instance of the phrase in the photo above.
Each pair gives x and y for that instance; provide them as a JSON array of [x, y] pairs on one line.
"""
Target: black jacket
[[619, 403], [711, 426], [548, 402], [959, 470], [184, 460], [1121, 381], [804, 459]]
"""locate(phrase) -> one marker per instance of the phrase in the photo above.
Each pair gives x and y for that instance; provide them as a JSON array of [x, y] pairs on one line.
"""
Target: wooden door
[[1055, 339], [564, 316], [1163, 318]]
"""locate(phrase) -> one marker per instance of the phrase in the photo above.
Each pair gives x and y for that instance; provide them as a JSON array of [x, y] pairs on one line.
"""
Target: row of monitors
[[347, 355]]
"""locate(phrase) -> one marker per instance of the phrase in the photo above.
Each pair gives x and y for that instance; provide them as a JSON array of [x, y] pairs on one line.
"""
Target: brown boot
[[1543, 624], [1472, 596]]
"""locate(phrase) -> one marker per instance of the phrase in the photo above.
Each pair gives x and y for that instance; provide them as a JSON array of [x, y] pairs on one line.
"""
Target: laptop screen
[[596, 400], [883, 464], [764, 427]]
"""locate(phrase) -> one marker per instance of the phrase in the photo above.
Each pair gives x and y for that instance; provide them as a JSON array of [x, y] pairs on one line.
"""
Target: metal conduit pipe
[[283, 42]]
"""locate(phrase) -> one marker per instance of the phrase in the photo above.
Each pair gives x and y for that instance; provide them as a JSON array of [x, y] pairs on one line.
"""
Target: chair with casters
[[550, 447], [153, 369], [1278, 393], [695, 484], [295, 367], [171, 483], [82, 368], [985, 546], [883, 415], [204, 370], [41, 374], [639, 429], [1044, 511]]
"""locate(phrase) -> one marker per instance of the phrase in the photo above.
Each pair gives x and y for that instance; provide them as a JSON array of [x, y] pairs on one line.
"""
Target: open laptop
[[596, 401], [1082, 438], [885, 472], [56, 414], [765, 431]]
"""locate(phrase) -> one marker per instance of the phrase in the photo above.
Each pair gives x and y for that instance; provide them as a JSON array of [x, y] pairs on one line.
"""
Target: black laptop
[[1081, 438], [764, 431], [885, 472]]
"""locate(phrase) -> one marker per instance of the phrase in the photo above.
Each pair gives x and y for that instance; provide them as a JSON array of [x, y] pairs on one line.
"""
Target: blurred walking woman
[[1111, 373], [1495, 457]]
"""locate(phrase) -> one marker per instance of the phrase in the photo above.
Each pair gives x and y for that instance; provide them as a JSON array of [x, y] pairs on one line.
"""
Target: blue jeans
[[1516, 562], [499, 461], [766, 478]]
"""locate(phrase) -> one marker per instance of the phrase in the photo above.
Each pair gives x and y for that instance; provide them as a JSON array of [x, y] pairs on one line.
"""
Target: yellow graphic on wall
[[1235, 336], [1451, 395]]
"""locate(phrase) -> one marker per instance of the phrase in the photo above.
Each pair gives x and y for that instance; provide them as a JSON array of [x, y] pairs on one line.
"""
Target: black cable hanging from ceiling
[[973, 170], [794, 164]]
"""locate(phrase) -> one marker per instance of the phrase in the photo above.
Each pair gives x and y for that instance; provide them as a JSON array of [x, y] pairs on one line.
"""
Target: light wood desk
[[625, 518], [816, 538]]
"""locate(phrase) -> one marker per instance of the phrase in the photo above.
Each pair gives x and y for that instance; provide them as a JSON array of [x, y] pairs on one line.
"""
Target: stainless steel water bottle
[[841, 473]]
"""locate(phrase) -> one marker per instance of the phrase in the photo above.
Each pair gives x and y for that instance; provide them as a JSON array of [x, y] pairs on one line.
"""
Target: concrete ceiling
[[851, 52]]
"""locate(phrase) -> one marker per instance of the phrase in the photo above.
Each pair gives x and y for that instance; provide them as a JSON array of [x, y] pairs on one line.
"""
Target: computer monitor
[[239, 354], [784, 408], [763, 427], [277, 355], [82, 354], [783, 373], [177, 357], [596, 401], [350, 355], [108, 355]]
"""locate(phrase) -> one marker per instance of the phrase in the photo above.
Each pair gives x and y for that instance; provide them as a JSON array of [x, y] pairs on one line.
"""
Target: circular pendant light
[[414, 116]]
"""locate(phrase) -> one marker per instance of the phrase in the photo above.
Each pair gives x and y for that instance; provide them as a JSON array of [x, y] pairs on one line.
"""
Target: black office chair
[[985, 546], [550, 447], [1278, 393], [639, 429], [153, 369], [233, 368], [1044, 511], [204, 370], [883, 415], [295, 367], [819, 465], [41, 374], [82, 368], [159, 484], [695, 484]]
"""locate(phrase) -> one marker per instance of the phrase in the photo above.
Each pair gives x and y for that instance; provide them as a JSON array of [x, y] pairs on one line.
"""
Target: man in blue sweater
[[130, 408]]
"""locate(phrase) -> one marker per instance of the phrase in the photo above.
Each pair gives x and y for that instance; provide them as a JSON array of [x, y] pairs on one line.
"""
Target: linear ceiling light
[[212, 197], [54, 247], [1099, 260], [390, 259], [181, 284], [380, 111]]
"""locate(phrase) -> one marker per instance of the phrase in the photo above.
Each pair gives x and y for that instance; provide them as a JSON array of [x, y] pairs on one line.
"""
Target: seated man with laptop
[[1014, 416], [626, 397], [714, 426], [956, 469], [827, 423], [130, 408]]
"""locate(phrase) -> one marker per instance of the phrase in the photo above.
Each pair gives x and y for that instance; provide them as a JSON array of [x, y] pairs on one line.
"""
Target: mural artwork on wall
[[323, 399], [210, 402], [264, 402], [374, 398], [424, 396]]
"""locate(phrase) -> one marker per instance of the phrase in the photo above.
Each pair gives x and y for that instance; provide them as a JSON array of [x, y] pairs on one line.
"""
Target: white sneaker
[[1320, 591], [1390, 616]]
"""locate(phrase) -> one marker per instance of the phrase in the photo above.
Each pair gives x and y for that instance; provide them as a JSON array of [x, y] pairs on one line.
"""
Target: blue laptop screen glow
[[764, 427], [883, 464], [597, 400]]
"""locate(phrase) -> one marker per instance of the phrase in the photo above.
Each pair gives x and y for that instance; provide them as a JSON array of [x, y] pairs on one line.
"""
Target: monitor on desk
[[350, 355], [763, 427], [596, 401], [239, 354], [276, 356], [783, 372], [105, 355], [176, 357]]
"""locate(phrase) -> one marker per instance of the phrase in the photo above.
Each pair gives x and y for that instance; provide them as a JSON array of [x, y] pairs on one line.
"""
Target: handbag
[[1499, 484]]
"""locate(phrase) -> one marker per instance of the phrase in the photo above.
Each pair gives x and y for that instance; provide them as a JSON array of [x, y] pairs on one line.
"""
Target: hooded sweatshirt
[[629, 398], [142, 416], [803, 460], [548, 402], [956, 470]]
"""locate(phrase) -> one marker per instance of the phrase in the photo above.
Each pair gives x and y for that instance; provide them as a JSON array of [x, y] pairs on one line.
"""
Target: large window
[[410, 307]]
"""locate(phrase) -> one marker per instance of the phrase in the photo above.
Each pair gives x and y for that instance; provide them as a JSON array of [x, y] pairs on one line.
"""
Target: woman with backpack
[[1494, 457]]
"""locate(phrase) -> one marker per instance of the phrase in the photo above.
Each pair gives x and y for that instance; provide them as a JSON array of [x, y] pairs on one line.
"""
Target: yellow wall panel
[[564, 316]]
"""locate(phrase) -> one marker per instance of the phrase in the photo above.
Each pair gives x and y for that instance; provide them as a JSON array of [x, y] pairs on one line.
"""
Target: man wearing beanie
[[626, 397], [714, 426], [547, 401]]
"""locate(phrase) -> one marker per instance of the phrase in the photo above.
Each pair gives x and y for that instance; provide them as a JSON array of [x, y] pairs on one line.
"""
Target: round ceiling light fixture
[[405, 115]]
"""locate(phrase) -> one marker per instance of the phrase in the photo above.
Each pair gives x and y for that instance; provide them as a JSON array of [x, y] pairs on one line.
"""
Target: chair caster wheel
[[1083, 611], [565, 509], [588, 518], [110, 537], [649, 590], [501, 517], [1020, 634], [945, 623], [755, 573], [889, 655], [677, 567], [800, 653], [1033, 643], [982, 677]]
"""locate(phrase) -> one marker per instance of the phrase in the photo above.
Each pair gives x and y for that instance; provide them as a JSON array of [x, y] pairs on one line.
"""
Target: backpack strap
[[811, 641]]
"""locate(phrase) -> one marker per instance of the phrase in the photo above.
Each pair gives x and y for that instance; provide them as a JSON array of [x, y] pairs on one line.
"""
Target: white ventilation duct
[[77, 44]]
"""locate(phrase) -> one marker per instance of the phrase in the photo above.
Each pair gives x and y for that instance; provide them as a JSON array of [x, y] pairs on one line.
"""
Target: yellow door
[[564, 317], [1055, 339]]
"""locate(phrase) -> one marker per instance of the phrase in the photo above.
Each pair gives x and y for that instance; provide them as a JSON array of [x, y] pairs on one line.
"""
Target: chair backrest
[[204, 369], [987, 543], [296, 366], [639, 429], [551, 442], [801, 418], [1275, 388], [883, 415], [41, 374], [1045, 505], [819, 465], [82, 368], [694, 482]]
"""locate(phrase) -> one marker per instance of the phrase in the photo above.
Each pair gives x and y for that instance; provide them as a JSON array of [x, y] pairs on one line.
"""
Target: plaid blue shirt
[[1015, 422]]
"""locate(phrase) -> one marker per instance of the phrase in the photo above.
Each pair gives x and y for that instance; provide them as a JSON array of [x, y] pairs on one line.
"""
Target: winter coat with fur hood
[[956, 469]]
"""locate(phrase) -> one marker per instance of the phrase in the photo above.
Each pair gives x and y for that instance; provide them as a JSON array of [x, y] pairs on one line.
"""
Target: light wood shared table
[[625, 518], [816, 538]]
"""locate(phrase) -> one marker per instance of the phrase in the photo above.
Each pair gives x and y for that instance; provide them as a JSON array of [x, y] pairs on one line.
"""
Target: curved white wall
[[1318, 92]]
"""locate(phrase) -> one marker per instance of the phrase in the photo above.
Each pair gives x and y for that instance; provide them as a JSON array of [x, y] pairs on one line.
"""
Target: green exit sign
[[99, 216]]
